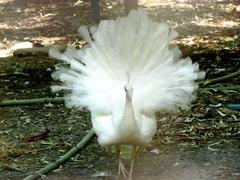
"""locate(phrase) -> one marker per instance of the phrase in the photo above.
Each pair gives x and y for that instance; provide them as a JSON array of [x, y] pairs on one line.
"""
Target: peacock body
[[126, 74]]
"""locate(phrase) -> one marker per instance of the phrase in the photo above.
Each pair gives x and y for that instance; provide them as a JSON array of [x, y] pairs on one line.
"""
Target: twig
[[61, 160], [31, 101], [221, 79], [10, 167]]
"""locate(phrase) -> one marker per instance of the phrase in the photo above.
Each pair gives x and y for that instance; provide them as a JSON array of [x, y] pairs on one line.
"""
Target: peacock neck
[[128, 121]]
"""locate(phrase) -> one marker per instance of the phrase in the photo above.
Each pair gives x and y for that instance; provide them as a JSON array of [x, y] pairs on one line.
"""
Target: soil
[[202, 143]]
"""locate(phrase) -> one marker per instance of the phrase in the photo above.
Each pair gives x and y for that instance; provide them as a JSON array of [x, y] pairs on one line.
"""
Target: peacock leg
[[121, 168], [134, 152], [108, 149]]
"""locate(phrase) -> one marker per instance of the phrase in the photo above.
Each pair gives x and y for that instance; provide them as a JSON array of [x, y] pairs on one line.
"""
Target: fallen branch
[[61, 99], [221, 79], [36, 51], [31, 101], [61, 160], [219, 88]]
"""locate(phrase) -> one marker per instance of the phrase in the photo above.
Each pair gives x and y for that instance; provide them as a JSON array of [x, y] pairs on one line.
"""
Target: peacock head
[[129, 91]]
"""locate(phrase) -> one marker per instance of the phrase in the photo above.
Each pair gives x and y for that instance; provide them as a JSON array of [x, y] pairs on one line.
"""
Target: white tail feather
[[133, 46]]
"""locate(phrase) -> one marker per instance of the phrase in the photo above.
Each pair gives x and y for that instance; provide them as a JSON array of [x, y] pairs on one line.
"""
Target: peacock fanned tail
[[134, 49]]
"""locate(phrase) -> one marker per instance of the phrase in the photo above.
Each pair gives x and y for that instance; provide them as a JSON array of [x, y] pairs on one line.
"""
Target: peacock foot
[[122, 170]]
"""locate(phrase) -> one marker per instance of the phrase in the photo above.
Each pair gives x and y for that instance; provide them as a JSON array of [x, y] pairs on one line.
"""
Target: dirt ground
[[200, 144]]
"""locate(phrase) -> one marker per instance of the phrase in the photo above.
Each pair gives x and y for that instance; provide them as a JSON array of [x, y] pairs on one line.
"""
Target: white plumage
[[125, 75]]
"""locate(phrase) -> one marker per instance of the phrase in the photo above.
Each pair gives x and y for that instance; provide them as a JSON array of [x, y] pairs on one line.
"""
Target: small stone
[[176, 164], [155, 151]]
